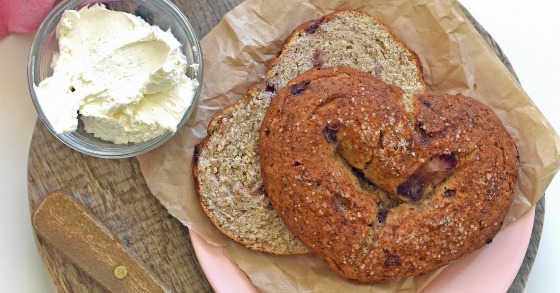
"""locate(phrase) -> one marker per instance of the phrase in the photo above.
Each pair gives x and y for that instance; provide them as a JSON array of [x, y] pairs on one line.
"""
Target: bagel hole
[[384, 201], [425, 179]]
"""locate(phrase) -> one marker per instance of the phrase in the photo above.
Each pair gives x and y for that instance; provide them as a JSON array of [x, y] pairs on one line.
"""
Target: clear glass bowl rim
[[43, 36]]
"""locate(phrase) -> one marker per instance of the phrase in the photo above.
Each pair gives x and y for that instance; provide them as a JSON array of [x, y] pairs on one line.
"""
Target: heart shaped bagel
[[381, 184]]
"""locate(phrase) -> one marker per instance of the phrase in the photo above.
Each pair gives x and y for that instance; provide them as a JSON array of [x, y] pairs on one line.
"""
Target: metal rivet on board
[[120, 272]]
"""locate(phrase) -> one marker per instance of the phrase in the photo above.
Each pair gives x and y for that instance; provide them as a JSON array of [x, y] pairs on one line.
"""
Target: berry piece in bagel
[[347, 38], [381, 184], [226, 167]]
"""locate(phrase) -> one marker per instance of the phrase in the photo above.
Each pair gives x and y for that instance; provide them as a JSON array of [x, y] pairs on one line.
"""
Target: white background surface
[[527, 31]]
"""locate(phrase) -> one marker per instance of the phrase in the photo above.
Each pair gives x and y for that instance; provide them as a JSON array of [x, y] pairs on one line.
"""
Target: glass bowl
[[162, 13]]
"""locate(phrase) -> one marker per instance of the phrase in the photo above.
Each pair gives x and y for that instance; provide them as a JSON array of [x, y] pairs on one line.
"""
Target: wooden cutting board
[[116, 193]]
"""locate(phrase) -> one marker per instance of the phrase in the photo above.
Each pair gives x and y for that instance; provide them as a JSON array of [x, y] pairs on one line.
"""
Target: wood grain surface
[[70, 227], [116, 193]]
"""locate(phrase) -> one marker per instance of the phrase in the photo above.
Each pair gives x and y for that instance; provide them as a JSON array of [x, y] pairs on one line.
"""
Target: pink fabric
[[22, 15]]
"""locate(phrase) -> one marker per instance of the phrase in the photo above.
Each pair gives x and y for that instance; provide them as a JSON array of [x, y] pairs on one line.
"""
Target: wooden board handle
[[65, 223]]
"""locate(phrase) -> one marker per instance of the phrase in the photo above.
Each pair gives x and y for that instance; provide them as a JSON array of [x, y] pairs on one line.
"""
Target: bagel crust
[[381, 184]]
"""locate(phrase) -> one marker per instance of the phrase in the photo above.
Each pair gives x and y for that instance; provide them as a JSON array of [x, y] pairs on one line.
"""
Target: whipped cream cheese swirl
[[124, 77]]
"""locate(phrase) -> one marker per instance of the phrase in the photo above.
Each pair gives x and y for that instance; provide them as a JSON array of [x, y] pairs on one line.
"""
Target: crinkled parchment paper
[[455, 59]]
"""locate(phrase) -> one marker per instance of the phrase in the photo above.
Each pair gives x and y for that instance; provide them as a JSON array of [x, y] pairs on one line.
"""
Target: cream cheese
[[124, 77]]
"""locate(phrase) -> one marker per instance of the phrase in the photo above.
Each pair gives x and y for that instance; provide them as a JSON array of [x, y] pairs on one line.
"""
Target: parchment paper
[[455, 59]]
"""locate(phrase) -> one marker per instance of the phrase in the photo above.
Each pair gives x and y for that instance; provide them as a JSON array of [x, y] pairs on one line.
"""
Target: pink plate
[[493, 267]]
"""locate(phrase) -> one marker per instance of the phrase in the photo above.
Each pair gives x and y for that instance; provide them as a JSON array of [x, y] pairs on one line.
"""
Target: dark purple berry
[[312, 28], [393, 260], [330, 133], [449, 193], [298, 88]]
